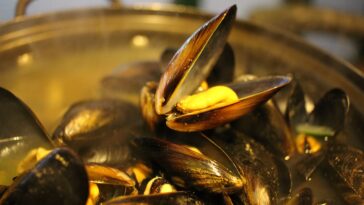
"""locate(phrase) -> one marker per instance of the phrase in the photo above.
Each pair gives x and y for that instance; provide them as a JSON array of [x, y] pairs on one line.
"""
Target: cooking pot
[[52, 60]]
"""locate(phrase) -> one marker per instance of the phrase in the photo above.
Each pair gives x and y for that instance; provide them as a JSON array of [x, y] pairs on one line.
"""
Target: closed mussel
[[99, 130], [267, 177], [267, 125], [189, 168]]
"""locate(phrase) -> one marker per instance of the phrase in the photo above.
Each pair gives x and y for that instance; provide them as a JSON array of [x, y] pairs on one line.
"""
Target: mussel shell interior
[[251, 94]]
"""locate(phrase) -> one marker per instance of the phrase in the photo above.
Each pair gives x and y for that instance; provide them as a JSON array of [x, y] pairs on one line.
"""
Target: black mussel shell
[[59, 178], [20, 132], [303, 197], [308, 164], [221, 73], [313, 130], [267, 125], [201, 143], [331, 110], [296, 105], [176, 198], [193, 62], [345, 168], [147, 107], [2, 190], [99, 130], [109, 191], [188, 168], [166, 56], [126, 82], [267, 177]]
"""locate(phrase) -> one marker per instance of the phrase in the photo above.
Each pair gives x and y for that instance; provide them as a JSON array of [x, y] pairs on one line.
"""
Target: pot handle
[[21, 6]]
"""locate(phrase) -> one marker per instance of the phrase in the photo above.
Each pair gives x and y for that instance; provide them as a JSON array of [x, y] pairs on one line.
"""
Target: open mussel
[[196, 57], [20, 132], [189, 168], [249, 95], [315, 130], [99, 130], [190, 66], [322, 124], [59, 178]]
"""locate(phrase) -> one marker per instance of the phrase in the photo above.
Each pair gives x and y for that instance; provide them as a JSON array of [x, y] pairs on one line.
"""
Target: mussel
[[189, 168], [124, 163], [99, 130], [20, 132], [190, 66], [59, 178], [223, 70], [2, 190], [158, 185], [267, 125], [126, 81], [344, 166], [147, 103], [313, 131], [325, 121], [303, 197], [177, 198], [267, 177], [109, 182]]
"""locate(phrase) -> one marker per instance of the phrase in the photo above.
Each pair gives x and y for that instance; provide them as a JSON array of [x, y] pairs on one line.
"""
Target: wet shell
[[251, 94], [193, 61], [59, 178], [188, 168], [267, 125], [20, 132], [345, 166], [177, 198], [98, 130]]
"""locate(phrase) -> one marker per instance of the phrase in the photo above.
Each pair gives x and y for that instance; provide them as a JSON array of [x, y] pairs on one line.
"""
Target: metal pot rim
[[344, 68]]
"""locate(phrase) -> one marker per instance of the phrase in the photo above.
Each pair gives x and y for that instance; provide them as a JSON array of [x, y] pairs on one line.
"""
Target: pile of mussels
[[200, 136]]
